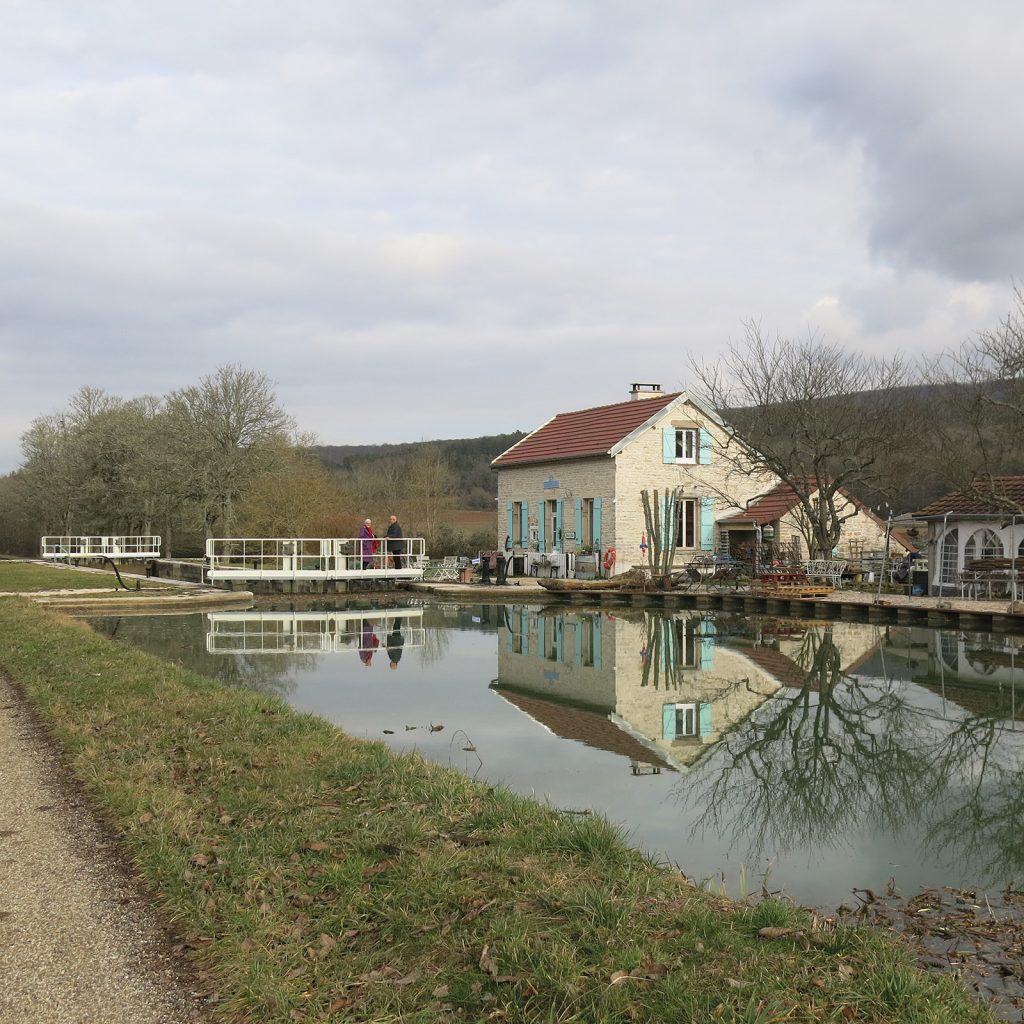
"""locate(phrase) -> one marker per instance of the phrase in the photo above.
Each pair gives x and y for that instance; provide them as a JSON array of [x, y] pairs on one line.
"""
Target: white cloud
[[457, 218]]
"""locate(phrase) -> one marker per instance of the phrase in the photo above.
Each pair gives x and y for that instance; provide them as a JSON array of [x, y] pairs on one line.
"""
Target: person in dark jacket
[[395, 642], [396, 545]]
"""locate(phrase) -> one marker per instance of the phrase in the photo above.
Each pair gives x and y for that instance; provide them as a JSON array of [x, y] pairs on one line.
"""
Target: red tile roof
[[768, 508], [591, 728], [573, 435], [959, 503]]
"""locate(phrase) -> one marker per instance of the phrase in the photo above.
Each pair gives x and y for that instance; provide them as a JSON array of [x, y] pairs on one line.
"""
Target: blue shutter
[[707, 523], [668, 721], [705, 719], [705, 447], [708, 627], [540, 525], [578, 629], [597, 524], [542, 651], [668, 444], [525, 626], [524, 525], [508, 642], [557, 628], [579, 522], [597, 640], [707, 653], [508, 532], [557, 542]]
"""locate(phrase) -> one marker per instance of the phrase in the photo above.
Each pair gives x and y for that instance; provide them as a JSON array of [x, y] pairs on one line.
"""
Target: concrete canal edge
[[848, 605], [142, 602]]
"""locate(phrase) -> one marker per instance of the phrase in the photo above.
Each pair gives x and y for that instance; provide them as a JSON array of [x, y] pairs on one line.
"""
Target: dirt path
[[78, 943]]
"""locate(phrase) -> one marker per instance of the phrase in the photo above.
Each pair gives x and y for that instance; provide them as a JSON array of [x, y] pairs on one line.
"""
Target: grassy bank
[[315, 877], [27, 577]]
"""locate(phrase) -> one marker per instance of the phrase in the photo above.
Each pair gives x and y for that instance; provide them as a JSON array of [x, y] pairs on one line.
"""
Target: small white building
[[966, 528]]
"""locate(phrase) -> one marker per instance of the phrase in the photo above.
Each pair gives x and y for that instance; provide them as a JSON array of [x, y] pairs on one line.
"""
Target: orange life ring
[[609, 559]]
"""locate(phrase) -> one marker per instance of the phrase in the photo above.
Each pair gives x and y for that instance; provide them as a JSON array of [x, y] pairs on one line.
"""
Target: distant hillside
[[469, 459]]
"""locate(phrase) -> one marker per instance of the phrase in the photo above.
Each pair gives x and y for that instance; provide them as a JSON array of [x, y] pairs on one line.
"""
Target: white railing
[[314, 632], [314, 558], [100, 547]]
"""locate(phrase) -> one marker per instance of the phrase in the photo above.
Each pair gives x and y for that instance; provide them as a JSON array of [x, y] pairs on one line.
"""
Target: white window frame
[[687, 446], [690, 725], [688, 524]]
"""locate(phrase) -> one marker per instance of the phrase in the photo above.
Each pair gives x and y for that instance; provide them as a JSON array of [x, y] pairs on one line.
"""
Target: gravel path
[[78, 943]]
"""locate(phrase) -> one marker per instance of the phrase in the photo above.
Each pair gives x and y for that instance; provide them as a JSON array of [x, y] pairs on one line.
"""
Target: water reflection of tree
[[811, 766]]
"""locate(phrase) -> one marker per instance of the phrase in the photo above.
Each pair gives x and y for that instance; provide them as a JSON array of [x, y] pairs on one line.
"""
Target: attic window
[[687, 445]]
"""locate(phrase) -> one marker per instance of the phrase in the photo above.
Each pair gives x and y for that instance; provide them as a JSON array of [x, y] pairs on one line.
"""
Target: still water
[[810, 757]]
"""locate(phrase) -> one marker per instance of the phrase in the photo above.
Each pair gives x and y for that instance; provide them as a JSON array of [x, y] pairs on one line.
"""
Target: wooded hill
[[468, 458]]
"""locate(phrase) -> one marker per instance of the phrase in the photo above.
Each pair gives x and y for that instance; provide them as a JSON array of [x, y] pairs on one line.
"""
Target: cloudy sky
[[453, 218]]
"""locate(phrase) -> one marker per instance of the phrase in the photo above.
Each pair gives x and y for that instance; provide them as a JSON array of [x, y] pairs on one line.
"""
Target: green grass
[[28, 577], [315, 877]]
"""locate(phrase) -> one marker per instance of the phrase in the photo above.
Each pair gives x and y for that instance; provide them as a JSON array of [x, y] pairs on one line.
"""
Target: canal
[[804, 756]]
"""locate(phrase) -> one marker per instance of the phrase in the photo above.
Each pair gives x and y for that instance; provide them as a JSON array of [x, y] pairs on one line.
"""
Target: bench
[[828, 569]]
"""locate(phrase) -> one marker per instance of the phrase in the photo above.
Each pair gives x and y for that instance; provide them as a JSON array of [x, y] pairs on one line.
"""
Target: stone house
[[574, 484], [967, 528], [862, 531]]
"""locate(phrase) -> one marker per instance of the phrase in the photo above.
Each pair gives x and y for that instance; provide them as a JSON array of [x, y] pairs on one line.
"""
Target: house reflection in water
[[659, 690]]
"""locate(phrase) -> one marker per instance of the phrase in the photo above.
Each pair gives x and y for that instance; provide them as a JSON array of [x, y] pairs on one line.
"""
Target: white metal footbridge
[[318, 558], [116, 548], [365, 631]]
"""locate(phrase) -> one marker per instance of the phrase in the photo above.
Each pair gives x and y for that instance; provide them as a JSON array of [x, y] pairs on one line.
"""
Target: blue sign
[[551, 484]]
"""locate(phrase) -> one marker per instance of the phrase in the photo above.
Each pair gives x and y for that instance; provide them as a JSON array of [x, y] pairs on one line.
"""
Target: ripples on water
[[809, 756]]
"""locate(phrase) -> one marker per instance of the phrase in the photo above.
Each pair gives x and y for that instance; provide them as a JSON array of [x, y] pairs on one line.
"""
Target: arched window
[[1020, 550], [982, 544], [950, 562]]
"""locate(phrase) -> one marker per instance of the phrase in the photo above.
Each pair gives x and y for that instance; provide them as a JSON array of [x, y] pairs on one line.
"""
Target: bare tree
[[981, 388], [819, 418], [231, 430]]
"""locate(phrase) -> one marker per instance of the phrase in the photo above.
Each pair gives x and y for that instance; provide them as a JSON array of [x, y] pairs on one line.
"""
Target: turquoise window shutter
[[578, 630], [525, 624], [557, 542], [542, 651], [705, 720], [540, 525], [558, 637], [707, 523], [668, 721], [579, 522], [597, 523], [508, 641], [707, 653], [668, 444], [705, 447], [708, 627], [524, 525], [508, 532], [597, 640]]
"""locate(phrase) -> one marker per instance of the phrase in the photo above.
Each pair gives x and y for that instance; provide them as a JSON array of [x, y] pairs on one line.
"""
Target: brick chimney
[[640, 391]]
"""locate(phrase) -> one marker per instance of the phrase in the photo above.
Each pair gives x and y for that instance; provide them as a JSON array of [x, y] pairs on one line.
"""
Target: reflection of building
[[658, 690], [981, 672], [253, 632]]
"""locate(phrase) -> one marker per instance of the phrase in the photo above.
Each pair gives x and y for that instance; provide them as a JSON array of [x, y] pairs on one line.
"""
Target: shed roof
[[588, 432], [965, 504], [768, 507]]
